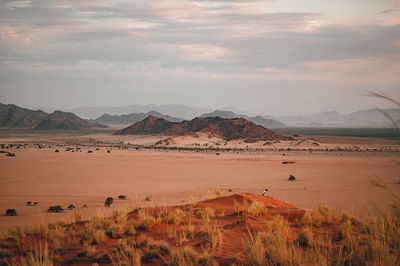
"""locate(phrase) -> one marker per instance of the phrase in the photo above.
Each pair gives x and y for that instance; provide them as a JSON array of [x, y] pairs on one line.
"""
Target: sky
[[273, 57]]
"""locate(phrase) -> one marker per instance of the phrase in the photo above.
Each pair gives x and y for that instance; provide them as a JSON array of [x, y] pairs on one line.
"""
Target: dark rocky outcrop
[[227, 129], [17, 117]]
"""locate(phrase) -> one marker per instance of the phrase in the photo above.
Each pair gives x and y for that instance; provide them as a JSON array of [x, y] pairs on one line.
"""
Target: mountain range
[[258, 120], [363, 118], [13, 116], [130, 119], [174, 110], [225, 128]]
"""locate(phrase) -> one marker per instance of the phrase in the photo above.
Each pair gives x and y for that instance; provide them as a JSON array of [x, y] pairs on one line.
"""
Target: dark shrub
[[11, 212], [29, 203], [108, 202], [56, 208], [292, 178], [122, 197], [71, 206]]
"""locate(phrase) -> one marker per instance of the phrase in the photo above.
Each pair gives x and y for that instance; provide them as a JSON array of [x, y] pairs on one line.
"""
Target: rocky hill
[[132, 118], [259, 120], [59, 120], [227, 129], [14, 116]]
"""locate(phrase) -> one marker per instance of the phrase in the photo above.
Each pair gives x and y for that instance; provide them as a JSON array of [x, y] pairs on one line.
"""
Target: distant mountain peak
[[259, 120]]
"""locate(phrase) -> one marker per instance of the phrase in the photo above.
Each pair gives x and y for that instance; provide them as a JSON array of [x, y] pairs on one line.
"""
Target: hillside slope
[[227, 129]]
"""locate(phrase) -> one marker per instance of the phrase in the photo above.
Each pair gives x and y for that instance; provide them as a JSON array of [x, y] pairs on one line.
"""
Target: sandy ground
[[341, 180]]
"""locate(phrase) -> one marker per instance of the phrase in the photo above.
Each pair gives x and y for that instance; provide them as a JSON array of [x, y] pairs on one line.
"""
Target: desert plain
[[341, 172]]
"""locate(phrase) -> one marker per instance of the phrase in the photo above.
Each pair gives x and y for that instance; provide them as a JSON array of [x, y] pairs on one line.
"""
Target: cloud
[[226, 43]]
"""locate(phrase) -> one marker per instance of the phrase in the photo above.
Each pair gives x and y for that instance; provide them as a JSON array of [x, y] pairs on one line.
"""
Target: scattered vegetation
[[194, 235]]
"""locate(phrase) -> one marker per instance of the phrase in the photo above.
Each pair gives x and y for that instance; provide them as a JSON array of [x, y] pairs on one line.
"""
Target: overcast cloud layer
[[269, 57]]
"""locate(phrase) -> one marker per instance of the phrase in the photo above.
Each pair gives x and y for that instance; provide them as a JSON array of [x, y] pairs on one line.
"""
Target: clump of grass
[[98, 236], [77, 215], [305, 238], [120, 216], [317, 219], [115, 231], [329, 215], [38, 256], [277, 225], [178, 216], [184, 257], [344, 232], [145, 221], [219, 193], [171, 233], [215, 238], [210, 212], [244, 209], [206, 259], [255, 251], [125, 254], [256, 208]]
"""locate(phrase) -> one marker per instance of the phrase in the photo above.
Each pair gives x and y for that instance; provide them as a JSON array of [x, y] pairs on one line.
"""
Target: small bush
[[305, 237], [256, 208], [98, 236], [108, 202], [306, 219]]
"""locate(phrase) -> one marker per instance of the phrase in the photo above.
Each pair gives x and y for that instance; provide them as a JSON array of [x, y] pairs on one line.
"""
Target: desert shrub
[[38, 256], [125, 255], [116, 231], [190, 230], [277, 225], [108, 202], [145, 221], [200, 214], [255, 251], [178, 216], [206, 259], [344, 232], [130, 229], [120, 216], [317, 219], [305, 237], [219, 193], [184, 256], [241, 208], [306, 219], [98, 236], [77, 215], [171, 232], [256, 208], [215, 238], [329, 215]]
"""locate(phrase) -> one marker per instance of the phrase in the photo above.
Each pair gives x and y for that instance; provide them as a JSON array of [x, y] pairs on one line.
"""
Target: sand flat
[[340, 179]]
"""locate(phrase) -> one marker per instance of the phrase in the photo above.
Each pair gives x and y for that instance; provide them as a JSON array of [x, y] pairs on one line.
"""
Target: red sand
[[340, 180]]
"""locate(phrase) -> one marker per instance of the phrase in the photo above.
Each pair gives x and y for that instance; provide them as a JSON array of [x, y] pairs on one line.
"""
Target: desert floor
[[342, 180]]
